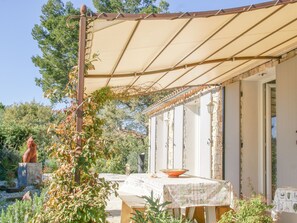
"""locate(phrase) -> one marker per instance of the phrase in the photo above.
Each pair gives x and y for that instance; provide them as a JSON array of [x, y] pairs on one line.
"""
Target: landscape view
[[148, 111]]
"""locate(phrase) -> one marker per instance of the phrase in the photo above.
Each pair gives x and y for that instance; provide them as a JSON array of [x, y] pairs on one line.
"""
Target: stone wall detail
[[217, 135]]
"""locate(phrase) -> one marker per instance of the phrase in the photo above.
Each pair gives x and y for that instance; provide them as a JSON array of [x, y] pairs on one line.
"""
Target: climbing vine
[[67, 200]]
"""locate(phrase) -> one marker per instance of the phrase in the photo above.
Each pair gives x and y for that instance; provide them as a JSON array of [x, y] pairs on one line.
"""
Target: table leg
[[191, 213], [125, 213], [210, 215], [176, 212]]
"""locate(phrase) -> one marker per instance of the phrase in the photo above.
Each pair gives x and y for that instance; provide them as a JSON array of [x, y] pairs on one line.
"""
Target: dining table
[[183, 192]]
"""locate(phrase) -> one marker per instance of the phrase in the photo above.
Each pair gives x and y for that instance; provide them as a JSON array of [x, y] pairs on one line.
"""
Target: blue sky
[[17, 72]]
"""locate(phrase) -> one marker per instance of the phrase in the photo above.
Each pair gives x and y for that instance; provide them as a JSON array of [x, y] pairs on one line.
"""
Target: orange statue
[[30, 156]]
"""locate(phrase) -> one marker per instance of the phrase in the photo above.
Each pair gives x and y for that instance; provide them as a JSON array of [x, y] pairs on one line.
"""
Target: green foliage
[[14, 135], [59, 47], [131, 6], [59, 43], [50, 166], [156, 212], [253, 210], [124, 150], [9, 160], [23, 211], [19, 121], [2, 107], [125, 132]]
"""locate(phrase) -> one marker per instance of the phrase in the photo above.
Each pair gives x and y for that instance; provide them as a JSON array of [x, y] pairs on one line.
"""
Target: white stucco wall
[[178, 137], [161, 143], [152, 151], [286, 100], [191, 139], [250, 133], [184, 137], [232, 135]]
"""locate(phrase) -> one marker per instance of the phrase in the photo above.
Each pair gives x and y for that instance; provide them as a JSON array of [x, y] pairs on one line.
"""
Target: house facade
[[177, 130], [243, 131]]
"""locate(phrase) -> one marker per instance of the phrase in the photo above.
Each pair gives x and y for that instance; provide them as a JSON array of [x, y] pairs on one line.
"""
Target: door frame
[[270, 76], [267, 142]]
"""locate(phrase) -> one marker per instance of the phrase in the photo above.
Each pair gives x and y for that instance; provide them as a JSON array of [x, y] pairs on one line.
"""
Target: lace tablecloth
[[185, 191], [285, 200]]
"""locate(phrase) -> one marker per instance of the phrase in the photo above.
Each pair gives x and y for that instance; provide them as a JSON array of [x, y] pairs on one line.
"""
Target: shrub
[[9, 160], [252, 210], [50, 166], [156, 212], [23, 211], [83, 199], [19, 121]]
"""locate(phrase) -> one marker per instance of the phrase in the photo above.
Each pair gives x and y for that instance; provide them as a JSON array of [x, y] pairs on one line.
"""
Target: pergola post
[[80, 84]]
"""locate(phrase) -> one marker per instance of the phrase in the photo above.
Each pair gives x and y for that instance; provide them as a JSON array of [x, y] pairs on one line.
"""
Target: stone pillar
[[29, 174], [217, 144]]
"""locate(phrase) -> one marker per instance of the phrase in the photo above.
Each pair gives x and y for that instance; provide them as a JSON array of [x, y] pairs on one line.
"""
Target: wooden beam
[[80, 84]]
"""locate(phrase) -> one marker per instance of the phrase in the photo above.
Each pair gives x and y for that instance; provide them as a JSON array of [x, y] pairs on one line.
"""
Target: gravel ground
[[8, 198]]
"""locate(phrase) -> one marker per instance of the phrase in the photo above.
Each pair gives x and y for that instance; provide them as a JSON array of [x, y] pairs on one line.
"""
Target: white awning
[[145, 53]]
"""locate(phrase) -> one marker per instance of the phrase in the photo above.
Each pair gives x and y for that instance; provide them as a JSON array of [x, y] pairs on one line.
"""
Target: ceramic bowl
[[174, 173]]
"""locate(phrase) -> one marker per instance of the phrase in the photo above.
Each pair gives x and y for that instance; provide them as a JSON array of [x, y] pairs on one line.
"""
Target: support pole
[[80, 84]]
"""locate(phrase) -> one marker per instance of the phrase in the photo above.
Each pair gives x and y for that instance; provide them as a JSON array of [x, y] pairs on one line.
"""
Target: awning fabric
[[144, 53]]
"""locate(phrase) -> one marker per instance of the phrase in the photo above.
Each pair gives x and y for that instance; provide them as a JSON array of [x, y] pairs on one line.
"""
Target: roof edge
[[172, 16]]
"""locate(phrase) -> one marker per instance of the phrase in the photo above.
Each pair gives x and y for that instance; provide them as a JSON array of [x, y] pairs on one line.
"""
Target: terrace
[[209, 58]]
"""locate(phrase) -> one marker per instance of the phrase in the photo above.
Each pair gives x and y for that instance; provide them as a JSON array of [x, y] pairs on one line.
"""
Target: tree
[[125, 132], [59, 43], [131, 6], [2, 107], [125, 129], [59, 46]]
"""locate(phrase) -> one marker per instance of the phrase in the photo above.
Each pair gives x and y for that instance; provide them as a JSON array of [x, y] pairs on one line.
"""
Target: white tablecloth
[[182, 192], [285, 200]]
